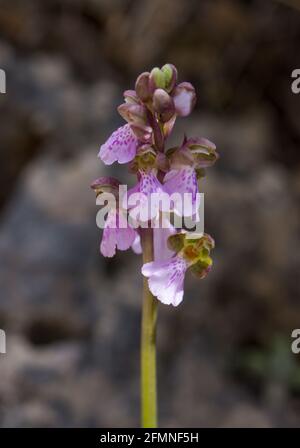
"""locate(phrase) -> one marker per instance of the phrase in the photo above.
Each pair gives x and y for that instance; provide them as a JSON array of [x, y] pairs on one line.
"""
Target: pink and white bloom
[[141, 204], [117, 234], [183, 181], [160, 240], [120, 147], [166, 279]]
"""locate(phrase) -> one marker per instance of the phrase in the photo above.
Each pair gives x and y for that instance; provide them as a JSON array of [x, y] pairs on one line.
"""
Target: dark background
[[72, 318]]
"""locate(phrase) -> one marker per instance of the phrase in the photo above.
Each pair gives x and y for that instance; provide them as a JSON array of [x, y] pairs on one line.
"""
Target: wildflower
[[142, 204], [151, 110], [166, 277], [117, 233], [120, 147]]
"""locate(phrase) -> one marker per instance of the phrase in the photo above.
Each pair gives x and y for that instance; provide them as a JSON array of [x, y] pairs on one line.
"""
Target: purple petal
[[166, 279], [160, 241], [116, 234], [124, 233], [120, 147], [184, 182], [149, 183], [109, 237], [142, 206]]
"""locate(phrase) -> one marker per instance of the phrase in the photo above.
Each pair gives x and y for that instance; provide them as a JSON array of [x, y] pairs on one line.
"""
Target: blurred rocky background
[[71, 317]]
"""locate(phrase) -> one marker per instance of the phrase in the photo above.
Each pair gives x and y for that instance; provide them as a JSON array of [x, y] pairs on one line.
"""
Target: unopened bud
[[131, 97], [163, 104], [157, 79], [106, 184], [142, 86], [170, 72], [203, 151]]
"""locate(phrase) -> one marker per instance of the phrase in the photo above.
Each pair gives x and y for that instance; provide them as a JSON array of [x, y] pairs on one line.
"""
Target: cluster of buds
[[150, 112]]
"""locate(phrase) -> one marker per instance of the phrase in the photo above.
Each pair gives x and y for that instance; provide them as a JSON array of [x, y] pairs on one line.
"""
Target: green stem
[[148, 342]]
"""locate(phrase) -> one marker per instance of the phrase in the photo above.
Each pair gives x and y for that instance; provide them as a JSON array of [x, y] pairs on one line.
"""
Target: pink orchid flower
[[151, 111], [117, 234], [120, 147]]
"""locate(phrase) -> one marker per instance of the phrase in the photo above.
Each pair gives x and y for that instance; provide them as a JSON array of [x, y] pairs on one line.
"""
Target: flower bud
[[157, 79], [184, 97], [197, 252], [203, 151], [170, 72], [131, 97], [106, 184], [142, 86], [133, 113], [163, 104]]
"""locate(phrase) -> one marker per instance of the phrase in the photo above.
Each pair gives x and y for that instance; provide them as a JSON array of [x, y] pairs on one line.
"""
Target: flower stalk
[[148, 342]]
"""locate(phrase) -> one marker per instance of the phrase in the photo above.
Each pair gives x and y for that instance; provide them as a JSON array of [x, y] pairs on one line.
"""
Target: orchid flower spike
[[163, 177]]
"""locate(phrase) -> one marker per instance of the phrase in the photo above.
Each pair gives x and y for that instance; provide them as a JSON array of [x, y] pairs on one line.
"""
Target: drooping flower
[[186, 163], [141, 203], [183, 182], [166, 277], [117, 234], [137, 118], [120, 147]]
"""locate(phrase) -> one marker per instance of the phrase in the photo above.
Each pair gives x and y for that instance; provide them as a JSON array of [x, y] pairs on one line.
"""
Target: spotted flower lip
[[120, 147], [140, 194], [183, 181], [166, 276], [166, 279]]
